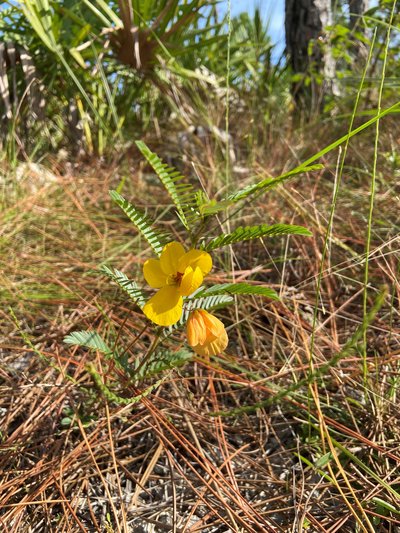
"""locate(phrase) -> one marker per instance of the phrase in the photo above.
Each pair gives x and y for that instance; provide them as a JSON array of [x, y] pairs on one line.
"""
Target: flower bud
[[206, 334]]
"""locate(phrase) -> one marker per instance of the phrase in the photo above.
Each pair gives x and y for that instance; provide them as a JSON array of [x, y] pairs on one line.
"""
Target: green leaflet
[[213, 207], [238, 288], [181, 193], [144, 224], [269, 183], [254, 232], [89, 339], [159, 362], [216, 301], [129, 286], [111, 396], [93, 341]]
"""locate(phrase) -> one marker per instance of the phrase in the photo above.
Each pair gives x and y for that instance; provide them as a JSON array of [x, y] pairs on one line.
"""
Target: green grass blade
[[372, 195]]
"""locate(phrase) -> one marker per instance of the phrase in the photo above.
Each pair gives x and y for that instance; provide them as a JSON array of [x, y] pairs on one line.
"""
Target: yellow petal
[[206, 334], [191, 281], [153, 274], [170, 256], [196, 258], [213, 347], [195, 329], [191, 332], [213, 324], [165, 307]]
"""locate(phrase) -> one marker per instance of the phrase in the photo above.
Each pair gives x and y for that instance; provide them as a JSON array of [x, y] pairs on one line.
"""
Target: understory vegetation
[[113, 423]]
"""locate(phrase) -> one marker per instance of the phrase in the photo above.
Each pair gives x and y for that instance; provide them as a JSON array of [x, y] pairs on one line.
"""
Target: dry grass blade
[[321, 458]]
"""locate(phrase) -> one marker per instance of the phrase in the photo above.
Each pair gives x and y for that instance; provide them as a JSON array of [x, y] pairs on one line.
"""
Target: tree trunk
[[357, 9], [309, 51]]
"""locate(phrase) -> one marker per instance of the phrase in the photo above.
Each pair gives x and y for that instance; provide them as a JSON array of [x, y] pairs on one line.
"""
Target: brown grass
[[322, 458]]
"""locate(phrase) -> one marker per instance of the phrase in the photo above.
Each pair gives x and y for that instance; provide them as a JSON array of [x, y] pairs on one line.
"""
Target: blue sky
[[272, 11]]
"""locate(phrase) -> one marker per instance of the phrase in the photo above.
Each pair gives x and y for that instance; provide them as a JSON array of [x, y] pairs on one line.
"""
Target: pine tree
[[309, 51]]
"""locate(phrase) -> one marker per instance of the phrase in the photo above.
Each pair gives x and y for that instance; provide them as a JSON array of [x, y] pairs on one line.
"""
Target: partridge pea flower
[[177, 273], [206, 334]]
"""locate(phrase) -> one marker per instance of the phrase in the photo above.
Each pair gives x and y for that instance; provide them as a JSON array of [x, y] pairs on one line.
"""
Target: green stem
[[150, 352], [111, 396], [372, 199]]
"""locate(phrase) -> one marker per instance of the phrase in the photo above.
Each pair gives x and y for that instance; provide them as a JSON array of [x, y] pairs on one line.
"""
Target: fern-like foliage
[[269, 183], [238, 288], [112, 396], [247, 233], [89, 339], [127, 285], [160, 362], [156, 238], [213, 207], [93, 341], [181, 193], [216, 301]]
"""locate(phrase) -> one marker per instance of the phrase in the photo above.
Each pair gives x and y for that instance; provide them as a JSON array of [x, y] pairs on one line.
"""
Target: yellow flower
[[177, 273], [206, 334]]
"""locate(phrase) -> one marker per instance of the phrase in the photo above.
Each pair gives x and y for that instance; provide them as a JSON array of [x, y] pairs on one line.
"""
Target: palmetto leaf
[[127, 285], [39, 15], [238, 288], [144, 224], [254, 232], [181, 193]]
